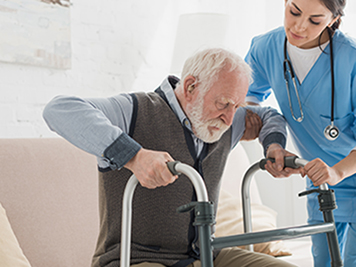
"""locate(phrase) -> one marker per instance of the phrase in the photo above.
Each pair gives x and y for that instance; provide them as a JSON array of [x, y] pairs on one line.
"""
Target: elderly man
[[196, 120]]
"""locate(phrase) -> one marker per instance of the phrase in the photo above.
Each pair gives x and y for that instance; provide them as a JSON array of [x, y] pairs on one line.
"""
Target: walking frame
[[205, 218]]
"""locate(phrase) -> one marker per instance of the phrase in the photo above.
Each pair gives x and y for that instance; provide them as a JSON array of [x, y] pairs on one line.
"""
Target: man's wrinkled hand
[[150, 168], [276, 169]]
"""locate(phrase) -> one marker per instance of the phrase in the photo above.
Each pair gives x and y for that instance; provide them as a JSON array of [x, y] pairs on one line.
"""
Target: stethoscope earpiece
[[331, 132]]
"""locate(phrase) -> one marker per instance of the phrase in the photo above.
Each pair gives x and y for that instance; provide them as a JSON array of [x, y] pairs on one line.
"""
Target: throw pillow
[[10, 252], [229, 221]]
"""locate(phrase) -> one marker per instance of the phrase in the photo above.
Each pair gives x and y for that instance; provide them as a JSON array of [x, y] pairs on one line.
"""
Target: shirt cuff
[[272, 139], [121, 151]]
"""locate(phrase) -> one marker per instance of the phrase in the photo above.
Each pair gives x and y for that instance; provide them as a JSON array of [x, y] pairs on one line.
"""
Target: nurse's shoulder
[[264, 42], [344, 40], [344, 48]]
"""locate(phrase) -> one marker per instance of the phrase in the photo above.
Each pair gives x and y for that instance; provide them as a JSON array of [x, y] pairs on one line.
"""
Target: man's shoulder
[[152, 97]]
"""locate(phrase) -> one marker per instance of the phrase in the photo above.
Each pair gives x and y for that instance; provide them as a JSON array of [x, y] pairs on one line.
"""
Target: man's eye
[[220, 105]]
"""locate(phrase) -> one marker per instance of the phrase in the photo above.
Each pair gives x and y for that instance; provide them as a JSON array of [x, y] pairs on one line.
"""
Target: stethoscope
[[331, 132]]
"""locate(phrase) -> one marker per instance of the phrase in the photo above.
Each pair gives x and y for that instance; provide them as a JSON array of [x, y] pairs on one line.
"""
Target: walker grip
[[172, 167], [288, 162]]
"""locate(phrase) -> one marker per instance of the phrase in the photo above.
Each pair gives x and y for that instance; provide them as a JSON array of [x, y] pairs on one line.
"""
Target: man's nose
[[228, 116]]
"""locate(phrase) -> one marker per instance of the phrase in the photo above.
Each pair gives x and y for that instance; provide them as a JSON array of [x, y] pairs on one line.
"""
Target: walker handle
[[172, 167], [290, 162], [176, 168]]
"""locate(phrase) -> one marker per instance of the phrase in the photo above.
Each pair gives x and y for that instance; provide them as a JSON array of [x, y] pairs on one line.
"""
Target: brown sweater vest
[[159, 233]]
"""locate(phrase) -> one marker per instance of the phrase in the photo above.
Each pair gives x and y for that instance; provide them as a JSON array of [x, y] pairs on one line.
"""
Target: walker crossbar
[[325, 195], [272, 235]]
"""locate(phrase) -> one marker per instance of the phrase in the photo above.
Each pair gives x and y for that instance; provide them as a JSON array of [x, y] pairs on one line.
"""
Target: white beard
[[200, 127]]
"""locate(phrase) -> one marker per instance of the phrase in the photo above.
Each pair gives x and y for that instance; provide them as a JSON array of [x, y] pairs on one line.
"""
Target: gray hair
[[206, 65]]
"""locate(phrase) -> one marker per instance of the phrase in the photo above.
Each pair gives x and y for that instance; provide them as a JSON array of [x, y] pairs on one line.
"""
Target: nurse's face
[[305, 21]]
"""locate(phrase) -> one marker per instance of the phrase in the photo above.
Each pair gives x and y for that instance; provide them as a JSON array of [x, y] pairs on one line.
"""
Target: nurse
[[311, 67]]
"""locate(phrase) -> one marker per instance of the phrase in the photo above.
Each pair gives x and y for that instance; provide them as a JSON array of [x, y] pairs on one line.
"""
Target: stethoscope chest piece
[[331, 132]]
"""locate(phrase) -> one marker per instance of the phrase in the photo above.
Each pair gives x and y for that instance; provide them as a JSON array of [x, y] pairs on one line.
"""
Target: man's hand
[[319, 172], [150, 168], [276, 169], [253, 125]]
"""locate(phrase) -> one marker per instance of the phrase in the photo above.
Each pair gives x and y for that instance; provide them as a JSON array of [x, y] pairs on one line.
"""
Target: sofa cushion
[[49, 190]]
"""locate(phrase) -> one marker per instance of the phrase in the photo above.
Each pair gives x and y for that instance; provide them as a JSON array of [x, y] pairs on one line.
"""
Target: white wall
[[120, 46], [117, 46]]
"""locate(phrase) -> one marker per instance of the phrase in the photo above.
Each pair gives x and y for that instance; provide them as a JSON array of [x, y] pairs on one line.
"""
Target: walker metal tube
[[206, 256], [195, 178], [126, 221], [245, 193], [199, 186], [205, 241], [272, 235], [333, 243], [331, 236], [245, 190]]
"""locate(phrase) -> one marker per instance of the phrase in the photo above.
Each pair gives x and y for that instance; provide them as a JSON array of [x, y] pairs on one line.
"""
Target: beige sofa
[[48, 188]]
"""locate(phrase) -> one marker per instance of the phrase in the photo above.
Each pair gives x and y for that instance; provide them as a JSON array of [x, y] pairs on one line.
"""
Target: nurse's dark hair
[[337, 9]]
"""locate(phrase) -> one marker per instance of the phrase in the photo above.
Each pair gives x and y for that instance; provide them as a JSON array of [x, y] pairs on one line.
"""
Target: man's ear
[[189, 87]]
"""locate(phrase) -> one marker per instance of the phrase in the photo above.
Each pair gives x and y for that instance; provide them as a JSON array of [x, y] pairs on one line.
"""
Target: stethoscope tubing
[[286, 63], [331, 132]]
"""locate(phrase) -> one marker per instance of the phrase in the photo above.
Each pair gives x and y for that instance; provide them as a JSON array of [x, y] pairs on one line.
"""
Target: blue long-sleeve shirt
[[94, 124]]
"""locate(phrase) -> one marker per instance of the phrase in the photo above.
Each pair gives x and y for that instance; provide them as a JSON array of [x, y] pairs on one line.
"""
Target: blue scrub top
[[266, 56]]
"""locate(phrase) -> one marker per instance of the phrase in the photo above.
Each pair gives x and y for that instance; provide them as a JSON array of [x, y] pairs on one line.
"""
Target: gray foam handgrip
[[172, 167], [288, 162]]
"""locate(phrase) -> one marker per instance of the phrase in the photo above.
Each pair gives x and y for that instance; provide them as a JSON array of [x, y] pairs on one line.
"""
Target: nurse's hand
[[276, 169], [319, 172], [253, 125], [150, 168]]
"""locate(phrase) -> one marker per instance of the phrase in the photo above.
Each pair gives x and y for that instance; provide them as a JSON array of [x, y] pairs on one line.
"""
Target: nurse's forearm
[[347, 166]]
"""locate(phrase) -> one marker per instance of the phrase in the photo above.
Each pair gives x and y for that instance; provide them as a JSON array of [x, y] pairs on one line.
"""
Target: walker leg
[[206, 255], [204, 219], [327, 203], [333, 243]]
